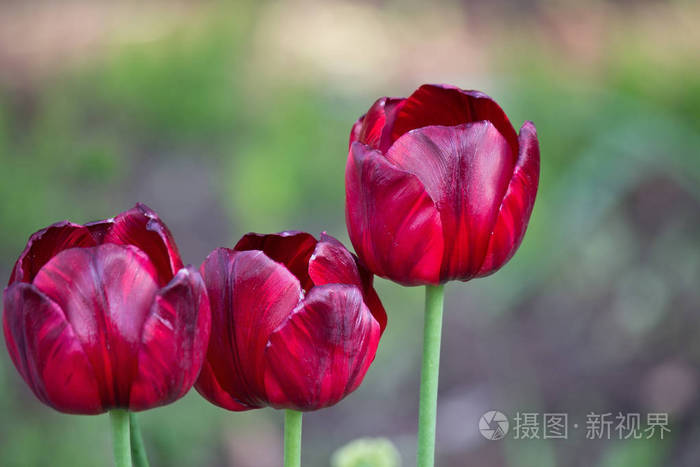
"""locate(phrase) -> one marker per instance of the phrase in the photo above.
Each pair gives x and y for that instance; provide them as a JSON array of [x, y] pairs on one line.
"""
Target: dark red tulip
[[295, 323], [439, 186], [104, 315]]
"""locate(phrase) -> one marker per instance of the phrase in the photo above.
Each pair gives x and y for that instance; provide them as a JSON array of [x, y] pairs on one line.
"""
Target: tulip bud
[[295, 323], [439, 186], [104, 315]]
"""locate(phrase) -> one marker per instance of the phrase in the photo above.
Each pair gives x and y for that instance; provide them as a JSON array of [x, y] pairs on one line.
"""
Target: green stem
[[120, 437], [138, 450], [292, 438], [427, 411]]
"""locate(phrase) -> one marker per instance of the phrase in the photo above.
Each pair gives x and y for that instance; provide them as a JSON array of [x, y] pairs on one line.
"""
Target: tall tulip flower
[[439, 187], [295, 325], [104, 317]]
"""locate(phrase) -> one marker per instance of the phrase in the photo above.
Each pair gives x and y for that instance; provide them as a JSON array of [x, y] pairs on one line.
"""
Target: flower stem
[[120, 437], [138, 450], [292, 438], [427, 411]]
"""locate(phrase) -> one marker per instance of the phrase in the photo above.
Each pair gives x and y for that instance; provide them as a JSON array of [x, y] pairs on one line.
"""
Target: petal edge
[[516, 207]]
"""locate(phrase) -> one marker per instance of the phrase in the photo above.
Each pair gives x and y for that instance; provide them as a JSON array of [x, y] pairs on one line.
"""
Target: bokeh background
[[234, 117]]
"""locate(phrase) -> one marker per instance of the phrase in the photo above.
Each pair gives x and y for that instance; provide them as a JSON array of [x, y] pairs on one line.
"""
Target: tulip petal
[[291, 248], [208, 386], [332, 263], [516, 208], [47, 353], [450, 106], [250, 296], [173, 343], [356, 130], [47, 243], [392, 221], [322, 352], [376, 128], [140, 226], [106, 293], [466, 170]]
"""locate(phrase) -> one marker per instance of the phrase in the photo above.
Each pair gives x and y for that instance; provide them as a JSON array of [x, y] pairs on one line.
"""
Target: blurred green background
[[234, 117]]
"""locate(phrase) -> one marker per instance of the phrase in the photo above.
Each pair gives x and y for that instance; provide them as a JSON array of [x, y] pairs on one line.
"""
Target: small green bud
[[367, 452]]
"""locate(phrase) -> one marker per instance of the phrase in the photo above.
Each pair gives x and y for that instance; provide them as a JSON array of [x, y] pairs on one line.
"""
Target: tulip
[[104, 316], [438, 187], [295, 325]]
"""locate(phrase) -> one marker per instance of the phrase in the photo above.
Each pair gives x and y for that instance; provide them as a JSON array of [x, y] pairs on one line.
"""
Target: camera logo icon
[[493, 425]]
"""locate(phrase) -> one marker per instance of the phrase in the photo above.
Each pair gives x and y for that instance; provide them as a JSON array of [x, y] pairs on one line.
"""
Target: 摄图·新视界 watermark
[[495, 425]]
